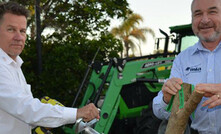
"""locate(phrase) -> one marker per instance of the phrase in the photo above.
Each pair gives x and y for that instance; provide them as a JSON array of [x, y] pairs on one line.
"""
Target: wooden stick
[[179, 117]]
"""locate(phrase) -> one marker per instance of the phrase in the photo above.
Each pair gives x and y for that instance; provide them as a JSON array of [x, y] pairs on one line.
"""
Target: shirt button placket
[[210, 68]]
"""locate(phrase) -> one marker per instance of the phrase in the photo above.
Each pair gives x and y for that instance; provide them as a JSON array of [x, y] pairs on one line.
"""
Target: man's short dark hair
[[13, 8]]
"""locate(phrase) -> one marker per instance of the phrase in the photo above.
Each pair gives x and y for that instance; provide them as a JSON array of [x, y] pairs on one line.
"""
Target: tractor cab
[[184, 36], [180, 38]]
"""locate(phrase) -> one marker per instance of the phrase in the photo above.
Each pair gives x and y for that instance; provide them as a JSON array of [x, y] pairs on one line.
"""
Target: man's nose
[[205, 19], [18, 36]]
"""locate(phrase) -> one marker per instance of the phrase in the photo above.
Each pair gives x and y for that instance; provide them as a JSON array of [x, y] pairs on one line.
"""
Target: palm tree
[[128, 32]]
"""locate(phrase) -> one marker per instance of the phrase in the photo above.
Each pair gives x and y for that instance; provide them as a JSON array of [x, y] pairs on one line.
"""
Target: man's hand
[[213, 91], [170, 88], [88, 112]]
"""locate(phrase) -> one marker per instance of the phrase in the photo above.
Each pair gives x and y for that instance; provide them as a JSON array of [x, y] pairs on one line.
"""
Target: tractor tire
[[124, 126], [163, 126], [148, 123]]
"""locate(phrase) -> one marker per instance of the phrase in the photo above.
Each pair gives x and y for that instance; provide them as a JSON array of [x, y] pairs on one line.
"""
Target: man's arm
[[159, 107], [17, 101], [170, 88]]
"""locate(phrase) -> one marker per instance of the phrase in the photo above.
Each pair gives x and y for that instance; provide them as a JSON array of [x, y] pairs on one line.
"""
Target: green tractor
[[123, 89]]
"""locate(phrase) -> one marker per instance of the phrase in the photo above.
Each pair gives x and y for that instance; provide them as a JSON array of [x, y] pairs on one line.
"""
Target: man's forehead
[[205, 3], [14, 20]]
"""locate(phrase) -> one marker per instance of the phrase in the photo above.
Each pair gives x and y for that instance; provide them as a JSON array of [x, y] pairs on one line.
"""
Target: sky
[[160, 14]]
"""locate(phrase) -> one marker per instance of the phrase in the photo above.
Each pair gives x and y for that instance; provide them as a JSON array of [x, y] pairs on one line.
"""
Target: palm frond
[[128, 29]]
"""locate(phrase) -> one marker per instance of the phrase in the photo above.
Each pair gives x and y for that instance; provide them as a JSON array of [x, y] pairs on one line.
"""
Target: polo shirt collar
[[9, 60], [199, 47]]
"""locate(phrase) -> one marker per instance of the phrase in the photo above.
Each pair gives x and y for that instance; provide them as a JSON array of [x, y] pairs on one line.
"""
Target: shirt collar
[[199, 47], [9, 60]]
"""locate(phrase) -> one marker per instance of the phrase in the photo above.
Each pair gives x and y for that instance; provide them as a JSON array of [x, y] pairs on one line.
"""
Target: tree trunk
[[179, 117], [140, 50], [127, 50]]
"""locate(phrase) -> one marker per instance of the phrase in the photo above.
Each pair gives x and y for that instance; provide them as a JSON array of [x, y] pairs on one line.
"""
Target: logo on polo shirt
[[193, 69]]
